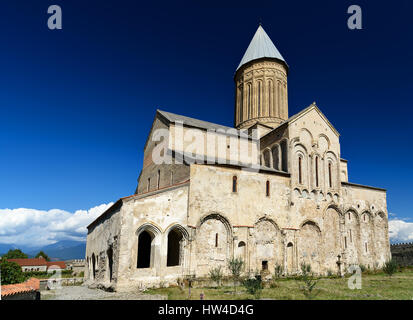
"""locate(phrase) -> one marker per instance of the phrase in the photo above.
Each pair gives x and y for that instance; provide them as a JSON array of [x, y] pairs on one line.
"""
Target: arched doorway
[[93, 266], [110, 263], [290, 257], [144, 249], [175, 241]]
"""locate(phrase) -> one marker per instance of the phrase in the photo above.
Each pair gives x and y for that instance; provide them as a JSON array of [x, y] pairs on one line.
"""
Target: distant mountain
[[61, 250], [64, 250]]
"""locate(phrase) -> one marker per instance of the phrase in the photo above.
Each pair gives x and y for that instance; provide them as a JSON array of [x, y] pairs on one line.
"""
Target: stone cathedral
[[289, 202]]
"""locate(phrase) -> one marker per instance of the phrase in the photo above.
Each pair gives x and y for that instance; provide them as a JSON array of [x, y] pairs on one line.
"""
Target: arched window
[[329, 175], [267, 188], [300, 176], [234, 184], [269, 99], [316, 171], [241, 105], [259, 98], [144, 249], [149, 183], [174, 248], [249, 101]]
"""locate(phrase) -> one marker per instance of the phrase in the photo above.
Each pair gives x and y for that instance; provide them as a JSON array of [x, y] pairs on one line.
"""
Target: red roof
[[29, 262], [56, 265], [32, 284], [39, 262]]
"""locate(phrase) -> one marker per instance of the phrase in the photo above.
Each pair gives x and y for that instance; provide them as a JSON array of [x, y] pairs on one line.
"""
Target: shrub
[[216, 275], [390, 267], [363, 268], [11, 272], [253, 286], [309, 281], [329, 273]]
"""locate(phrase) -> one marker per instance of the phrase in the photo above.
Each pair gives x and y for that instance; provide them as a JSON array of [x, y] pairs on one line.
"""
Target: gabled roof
[[298, 115], [56, 265], [29, 262], [187, 121], [261, 46]]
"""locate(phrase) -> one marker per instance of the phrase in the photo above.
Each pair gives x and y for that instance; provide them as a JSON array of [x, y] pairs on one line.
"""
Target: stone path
[[84, 293]]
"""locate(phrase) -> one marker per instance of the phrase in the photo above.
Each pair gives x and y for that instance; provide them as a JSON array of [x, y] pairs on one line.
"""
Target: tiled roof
[[56, 265], [29, 262], [32, 284], [39, 262]]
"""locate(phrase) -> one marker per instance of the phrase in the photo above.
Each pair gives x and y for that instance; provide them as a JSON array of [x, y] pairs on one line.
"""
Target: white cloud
[[400, 230], [31, 227]]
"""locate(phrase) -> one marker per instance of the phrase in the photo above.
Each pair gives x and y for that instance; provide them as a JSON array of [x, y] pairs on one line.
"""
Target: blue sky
[[76, 104]]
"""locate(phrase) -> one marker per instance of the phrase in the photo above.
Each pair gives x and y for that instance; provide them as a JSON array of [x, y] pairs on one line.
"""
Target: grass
[[377, 286]]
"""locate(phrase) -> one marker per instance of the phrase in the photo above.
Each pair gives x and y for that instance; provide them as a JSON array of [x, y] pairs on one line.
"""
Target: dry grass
[[374, 287]]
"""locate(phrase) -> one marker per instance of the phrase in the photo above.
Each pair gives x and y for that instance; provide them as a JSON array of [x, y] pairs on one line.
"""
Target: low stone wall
[[402, 253], [47, 284]]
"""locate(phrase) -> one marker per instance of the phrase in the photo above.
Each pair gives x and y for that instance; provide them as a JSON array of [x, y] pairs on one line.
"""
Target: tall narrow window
[[259, 98], [345, 242], [349, 216], [149, 183], [159, 179], [216, 240], [234, 184], [267, 188], [316, 171], [241, 104], [364, 217], [351, 236], [249, 101], [365, 246], [300, 177], [329, 175], [269, 99]]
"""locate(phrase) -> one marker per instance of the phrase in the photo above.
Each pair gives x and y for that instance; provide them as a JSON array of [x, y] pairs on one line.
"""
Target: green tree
[[15, 254], [11, 272], [235, 266], [216, 275], [44, 255]]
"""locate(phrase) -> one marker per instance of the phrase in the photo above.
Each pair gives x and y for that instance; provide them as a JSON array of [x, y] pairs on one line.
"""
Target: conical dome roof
[[261, 46]]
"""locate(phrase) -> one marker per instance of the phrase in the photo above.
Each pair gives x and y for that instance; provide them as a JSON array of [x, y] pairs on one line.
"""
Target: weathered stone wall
[[156, 214], [103, 241], [156, 175], [402, 253]]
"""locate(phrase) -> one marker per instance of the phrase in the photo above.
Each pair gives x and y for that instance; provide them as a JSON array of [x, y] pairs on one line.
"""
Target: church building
[[272, 190]]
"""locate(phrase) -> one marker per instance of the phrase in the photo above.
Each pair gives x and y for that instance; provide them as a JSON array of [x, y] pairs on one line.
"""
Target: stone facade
[[402, 253], [284, 202]]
